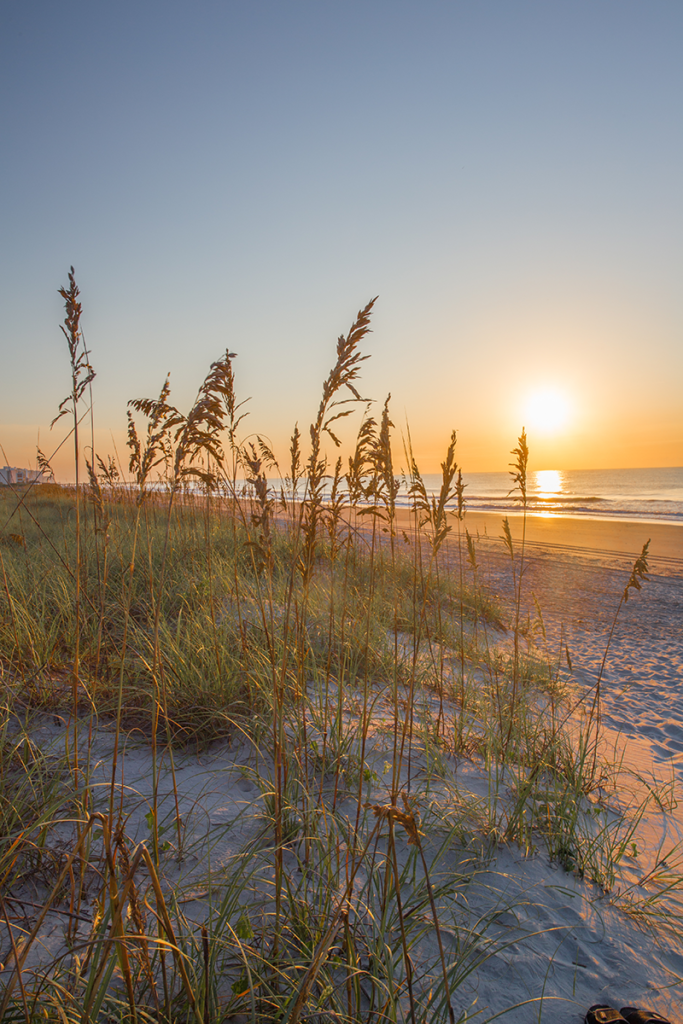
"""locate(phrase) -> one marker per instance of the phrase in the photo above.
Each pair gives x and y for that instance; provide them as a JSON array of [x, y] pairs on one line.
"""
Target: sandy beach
[[545, 943], [577, 571], [619, 537]]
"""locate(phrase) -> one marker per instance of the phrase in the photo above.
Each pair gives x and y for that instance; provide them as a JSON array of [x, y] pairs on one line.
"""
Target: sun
[[547, 411]]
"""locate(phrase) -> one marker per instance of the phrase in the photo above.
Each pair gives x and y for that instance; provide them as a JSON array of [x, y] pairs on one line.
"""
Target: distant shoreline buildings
[[11, 475]]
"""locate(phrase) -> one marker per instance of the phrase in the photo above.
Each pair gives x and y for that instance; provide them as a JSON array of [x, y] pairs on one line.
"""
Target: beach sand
[[553, 943], [605, 536], [577, 570], [578, 588]]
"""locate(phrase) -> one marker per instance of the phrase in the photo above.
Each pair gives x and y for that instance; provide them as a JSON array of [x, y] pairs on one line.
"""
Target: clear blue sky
[[507, 176]]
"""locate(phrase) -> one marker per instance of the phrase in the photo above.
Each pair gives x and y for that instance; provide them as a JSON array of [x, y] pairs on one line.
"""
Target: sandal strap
[[601, 1013], [635, 1016]]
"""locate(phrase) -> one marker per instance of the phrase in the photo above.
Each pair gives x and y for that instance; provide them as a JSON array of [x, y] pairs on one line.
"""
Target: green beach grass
[[186, 604]]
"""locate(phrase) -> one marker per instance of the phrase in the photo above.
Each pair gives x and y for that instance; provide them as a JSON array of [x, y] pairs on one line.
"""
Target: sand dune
[[549, 943]]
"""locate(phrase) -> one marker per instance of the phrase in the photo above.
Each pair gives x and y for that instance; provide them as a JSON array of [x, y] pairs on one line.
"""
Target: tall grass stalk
[[637, 576], [519, 477], [82, 375]]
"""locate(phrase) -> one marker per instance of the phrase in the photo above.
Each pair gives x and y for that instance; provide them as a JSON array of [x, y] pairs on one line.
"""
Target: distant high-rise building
[[11, 475]]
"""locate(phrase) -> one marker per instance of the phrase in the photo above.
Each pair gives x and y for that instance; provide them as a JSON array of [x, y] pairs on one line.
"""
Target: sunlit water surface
[[654, 494]]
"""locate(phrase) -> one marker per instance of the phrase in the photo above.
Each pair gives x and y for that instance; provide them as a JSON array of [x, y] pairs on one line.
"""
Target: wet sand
[[607, 536]]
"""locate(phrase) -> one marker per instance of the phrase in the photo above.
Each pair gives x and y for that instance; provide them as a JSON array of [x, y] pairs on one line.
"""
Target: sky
[[506, 177]]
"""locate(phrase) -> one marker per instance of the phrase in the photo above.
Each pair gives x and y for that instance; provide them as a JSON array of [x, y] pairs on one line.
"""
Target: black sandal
[[601, 1013], [633, 1015]]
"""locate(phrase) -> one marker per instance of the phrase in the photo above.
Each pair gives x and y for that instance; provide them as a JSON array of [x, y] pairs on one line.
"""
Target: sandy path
[[579, 595]]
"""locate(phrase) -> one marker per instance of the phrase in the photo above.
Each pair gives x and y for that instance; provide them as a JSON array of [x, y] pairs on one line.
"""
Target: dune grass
[[202, 595]]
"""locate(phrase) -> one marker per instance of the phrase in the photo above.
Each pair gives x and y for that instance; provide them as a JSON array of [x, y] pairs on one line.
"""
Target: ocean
[[646, 495], [654, 495]]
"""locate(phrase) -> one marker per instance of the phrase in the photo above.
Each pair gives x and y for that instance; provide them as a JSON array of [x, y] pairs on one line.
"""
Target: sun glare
[[547, 411], [549, 482]]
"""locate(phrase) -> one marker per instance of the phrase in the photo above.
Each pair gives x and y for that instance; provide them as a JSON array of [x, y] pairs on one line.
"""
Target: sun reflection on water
[[549, 486], [549, 482]]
